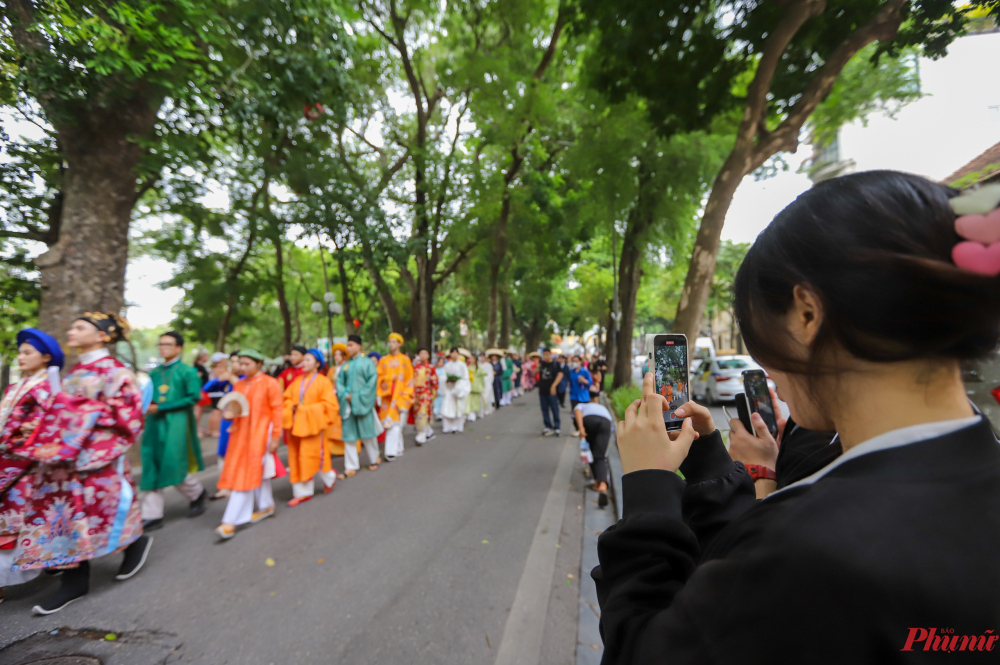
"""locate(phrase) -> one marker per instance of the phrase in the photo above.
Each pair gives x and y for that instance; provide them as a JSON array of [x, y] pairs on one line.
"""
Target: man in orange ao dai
[[251, 437]]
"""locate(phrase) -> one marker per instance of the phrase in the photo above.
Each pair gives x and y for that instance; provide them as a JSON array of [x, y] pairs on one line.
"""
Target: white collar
[[893, 439], [93, 356], [175, 360]]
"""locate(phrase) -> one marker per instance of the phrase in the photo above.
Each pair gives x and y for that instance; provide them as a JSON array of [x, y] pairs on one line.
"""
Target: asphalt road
[[415, 563]]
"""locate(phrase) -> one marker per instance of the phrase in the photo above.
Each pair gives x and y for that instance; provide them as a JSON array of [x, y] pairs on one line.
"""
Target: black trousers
[[562, 397], [598, 435]]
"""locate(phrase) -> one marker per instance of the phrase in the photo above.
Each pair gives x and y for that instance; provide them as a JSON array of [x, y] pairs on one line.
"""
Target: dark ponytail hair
[[875, 248]]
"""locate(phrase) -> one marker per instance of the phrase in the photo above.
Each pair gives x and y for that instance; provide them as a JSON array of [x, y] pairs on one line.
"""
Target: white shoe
[[430, 438]]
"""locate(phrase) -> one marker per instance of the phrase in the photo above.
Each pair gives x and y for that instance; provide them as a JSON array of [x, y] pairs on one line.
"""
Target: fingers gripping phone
[[757, 399], [668, 360]]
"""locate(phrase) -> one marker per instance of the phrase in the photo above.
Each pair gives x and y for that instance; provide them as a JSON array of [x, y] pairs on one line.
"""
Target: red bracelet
[[760, 472]]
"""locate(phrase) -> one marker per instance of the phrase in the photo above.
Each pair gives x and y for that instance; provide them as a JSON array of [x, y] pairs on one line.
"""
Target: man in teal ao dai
[[171, 451], [356, 384]]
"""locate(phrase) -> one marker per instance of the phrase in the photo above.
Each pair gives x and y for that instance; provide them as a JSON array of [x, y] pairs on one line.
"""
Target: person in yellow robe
[[395, 392], [310, 406]]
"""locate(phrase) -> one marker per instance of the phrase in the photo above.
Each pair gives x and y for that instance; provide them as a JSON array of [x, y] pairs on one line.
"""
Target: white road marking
[[522, 636]]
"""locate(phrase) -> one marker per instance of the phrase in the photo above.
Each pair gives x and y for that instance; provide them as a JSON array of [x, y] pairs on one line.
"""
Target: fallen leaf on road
[[273, 593], [484, 475], [268, 561], [558, 545], [489, 437], [570, 575], [486, 542], [320, 560], [569, 583], [111, 637]]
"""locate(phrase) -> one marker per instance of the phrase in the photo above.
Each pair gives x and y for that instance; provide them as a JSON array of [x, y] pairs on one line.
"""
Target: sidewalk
[[589, 646]]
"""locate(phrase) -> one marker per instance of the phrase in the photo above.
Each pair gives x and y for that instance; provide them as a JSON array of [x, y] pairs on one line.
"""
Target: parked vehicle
[[982, 384], [721, 378]]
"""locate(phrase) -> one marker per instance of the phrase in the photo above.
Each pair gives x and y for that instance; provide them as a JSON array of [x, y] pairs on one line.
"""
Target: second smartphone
[[758, 399], [668, 360]]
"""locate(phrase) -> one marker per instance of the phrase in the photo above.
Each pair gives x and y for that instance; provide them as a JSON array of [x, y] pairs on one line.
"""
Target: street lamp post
[[332, 307]]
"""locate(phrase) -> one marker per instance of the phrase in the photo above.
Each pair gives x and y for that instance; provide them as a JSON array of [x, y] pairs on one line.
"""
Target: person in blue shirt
[[563, 386], [579, 383]]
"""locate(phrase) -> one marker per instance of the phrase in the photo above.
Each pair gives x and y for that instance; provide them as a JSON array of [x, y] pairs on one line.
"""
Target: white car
[[721, 378]]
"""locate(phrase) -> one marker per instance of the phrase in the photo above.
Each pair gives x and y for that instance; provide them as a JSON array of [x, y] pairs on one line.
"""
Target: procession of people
[[67, 494]]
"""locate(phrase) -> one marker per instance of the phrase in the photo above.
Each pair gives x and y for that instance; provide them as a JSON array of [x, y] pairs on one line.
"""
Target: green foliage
[[686, 58], [622, 397], [867, 85]]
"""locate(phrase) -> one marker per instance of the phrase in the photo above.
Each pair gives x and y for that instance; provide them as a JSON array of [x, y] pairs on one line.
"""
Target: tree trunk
[[755, 144], [85, 270], [279, 285], [701, 269], [532, 335], [504, 317], [298, 321], [345, 294], [499, 253], [422, 300], [640, 220], [384, 294], [629, 277]]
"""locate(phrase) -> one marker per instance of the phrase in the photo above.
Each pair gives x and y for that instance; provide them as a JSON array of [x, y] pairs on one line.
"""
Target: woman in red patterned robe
[[83, 504], [21, 409], [425, 388]]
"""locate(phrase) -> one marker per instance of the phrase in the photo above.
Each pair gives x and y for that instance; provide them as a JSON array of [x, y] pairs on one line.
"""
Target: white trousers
[[239, 510], [472, 416], [308, 487], [394, 436], [426, 434], [453, 425], [506, 398], [152, 501], [9, 577], [351, 461]]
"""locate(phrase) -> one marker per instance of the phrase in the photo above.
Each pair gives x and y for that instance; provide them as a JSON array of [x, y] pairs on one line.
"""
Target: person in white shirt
[[594, 423], [455, 389]]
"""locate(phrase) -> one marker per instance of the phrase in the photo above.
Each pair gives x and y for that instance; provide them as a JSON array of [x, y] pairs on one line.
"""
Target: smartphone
[[758, 399], [743, 413], [668, 359]]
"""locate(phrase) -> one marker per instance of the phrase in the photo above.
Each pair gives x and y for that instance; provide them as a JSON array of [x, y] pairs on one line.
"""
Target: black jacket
[[896, 543]]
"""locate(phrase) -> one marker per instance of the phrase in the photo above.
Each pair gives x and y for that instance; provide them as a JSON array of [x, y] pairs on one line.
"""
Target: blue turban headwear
[[375, 355], [44, 343], [318, 355]]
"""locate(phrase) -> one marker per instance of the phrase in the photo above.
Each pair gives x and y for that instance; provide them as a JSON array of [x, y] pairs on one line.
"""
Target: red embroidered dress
[[425, 388], [83, 503], [20, 411]]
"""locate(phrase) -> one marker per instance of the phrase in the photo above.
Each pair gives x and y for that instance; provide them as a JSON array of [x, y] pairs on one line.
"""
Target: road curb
[[589, 645]]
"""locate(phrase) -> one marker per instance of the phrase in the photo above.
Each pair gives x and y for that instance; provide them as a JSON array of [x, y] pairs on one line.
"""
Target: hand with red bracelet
[[761, 449]]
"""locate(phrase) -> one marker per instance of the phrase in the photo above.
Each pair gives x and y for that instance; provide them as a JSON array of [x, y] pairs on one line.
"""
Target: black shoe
[[75, 585], [52, 572], [197, 506], [152, 525], [602, 500], [135, 556]]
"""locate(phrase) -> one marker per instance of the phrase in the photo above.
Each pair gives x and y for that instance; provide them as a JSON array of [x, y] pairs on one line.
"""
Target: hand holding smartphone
[[668, 360], [757, 399]]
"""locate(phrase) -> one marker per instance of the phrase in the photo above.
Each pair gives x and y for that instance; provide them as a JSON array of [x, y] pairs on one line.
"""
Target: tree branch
[[461, 256], [882, 26]]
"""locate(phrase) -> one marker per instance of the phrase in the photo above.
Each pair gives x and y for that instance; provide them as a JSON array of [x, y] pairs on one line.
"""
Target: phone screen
[[670, 355], [759, 399]]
